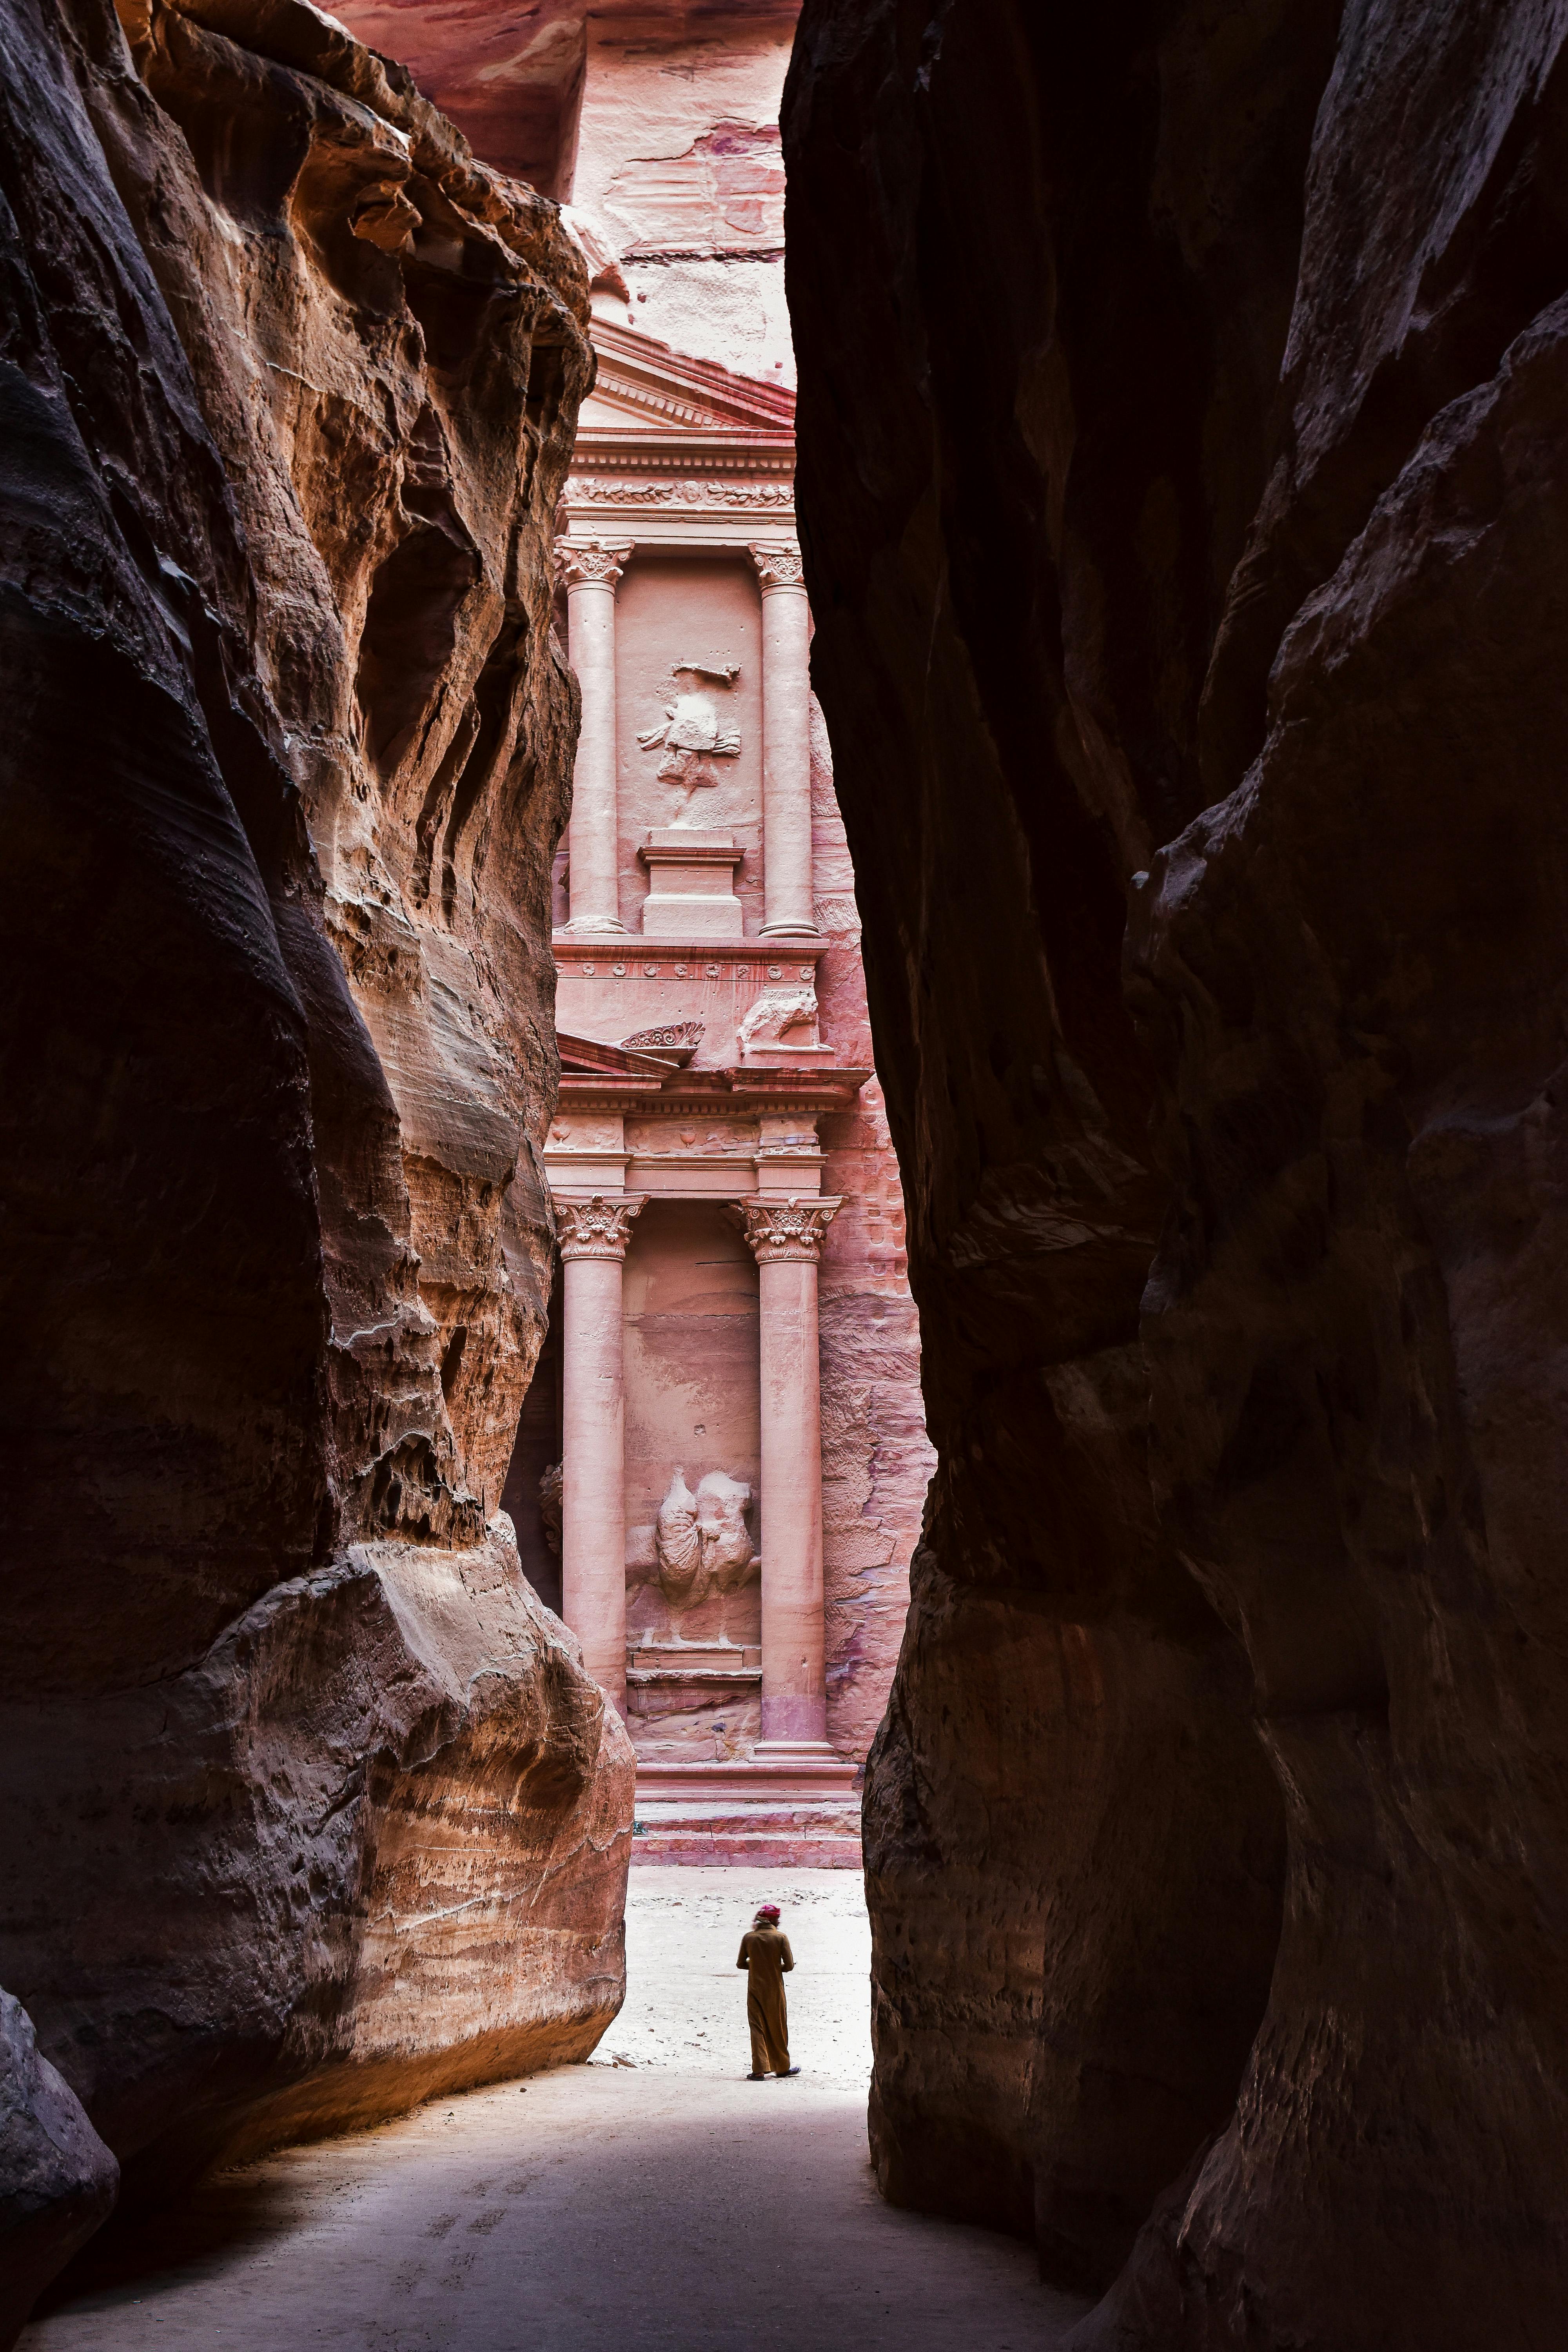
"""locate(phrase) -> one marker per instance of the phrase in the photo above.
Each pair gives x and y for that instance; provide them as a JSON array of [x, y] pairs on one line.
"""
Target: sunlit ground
[[667, 2202]]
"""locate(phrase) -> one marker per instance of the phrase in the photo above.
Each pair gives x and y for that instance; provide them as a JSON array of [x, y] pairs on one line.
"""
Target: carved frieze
[[582, 490], [784, 1229], [595, 1228], [702, 1543]]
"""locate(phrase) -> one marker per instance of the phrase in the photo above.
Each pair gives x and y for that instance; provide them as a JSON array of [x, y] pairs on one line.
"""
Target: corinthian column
[[593, 1236], [591, 574], [786, 1238], [786, 744]]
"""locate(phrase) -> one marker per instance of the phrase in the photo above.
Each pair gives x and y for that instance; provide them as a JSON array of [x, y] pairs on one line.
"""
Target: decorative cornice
[[791, 1229], [778, 565], [595, 1228], [669, 455], [591, 563]]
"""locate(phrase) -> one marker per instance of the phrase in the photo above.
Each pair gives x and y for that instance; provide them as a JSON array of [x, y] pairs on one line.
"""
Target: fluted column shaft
[[786, 744], [785, 1237], [593, 1236], [591, 574]]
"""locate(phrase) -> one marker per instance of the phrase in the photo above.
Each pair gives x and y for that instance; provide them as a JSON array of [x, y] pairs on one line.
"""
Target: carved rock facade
[[1183, 495], [289, 384], [715, 1045]]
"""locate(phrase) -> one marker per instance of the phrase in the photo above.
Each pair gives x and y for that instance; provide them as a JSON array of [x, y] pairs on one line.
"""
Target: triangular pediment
[[646, 387]]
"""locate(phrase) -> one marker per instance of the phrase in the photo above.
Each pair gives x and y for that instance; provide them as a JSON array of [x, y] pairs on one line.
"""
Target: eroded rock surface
[[1183, 482], [57, 2180], [310, 1807]]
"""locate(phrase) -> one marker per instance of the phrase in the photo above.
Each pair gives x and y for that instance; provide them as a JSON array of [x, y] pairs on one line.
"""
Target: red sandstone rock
[[289, 383], [1182, 433]]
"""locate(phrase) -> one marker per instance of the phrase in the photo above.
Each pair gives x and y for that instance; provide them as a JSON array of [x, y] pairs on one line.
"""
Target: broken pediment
[[645, 384]]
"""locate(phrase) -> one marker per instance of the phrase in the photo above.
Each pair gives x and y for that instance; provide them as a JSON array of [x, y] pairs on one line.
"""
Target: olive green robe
[[766, 1957]]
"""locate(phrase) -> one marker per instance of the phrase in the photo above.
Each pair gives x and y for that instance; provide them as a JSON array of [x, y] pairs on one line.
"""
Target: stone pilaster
[[591, 572], [593, 1236], [786, 1238]]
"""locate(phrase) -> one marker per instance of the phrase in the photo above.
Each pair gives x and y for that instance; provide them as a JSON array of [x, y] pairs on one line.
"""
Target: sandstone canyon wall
[[656, 122], [1185, 493], [308, 1807]]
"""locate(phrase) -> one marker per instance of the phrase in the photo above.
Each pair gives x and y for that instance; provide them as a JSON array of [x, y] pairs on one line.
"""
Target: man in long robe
[[767, 1959]]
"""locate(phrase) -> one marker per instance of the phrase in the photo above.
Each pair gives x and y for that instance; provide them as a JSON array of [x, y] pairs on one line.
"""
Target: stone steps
[[811, 1834]]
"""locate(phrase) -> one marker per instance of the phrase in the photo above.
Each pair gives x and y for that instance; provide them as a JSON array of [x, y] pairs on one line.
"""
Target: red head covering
[[767, 1911]]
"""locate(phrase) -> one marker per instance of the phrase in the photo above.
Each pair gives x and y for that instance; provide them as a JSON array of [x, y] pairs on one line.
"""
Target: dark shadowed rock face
[[287, 386], [56, 2178], [1183, 470]]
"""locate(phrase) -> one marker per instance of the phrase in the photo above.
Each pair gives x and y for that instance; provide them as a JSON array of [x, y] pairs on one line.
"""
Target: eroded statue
[[692, 735], [702, 1540]]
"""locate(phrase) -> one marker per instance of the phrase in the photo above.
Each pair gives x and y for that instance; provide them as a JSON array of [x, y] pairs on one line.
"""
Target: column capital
[[784, 1229], [590, 564], [595, 1228], [779, 566]]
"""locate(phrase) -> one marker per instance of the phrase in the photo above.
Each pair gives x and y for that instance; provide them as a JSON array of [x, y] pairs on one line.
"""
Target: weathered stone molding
[[776, 1230], [595, 1228]]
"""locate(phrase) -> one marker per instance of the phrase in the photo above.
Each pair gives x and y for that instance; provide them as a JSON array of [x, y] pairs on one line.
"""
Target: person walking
[[767, 1959]]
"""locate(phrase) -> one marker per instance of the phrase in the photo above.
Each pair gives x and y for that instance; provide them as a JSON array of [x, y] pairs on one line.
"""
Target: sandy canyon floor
[[661, 2199]]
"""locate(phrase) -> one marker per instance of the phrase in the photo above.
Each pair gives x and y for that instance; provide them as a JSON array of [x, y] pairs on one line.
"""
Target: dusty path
[[667, 2203]]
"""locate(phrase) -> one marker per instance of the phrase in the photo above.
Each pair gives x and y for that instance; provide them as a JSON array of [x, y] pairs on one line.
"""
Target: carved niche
[[702, 1543]]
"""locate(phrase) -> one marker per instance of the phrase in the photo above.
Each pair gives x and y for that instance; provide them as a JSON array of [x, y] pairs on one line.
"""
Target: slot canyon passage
[[469, 1425]]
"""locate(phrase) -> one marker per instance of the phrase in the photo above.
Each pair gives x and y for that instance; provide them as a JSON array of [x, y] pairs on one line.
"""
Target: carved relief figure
[[721, 1505], [780, 1017], [702, 1540], [676, 1542], [692, 735], [551, 1490]]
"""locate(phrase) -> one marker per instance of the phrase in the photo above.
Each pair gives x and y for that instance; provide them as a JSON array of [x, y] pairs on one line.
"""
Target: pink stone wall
[[678, 166]]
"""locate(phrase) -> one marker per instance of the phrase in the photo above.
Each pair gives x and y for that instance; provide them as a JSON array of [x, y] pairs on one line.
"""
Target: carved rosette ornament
[[595, 1228], [779, 566], [590, 563], [784, 1229]]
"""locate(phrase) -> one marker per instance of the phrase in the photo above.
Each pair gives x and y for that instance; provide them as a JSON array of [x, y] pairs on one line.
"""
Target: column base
[[793, 1719], [805, 932], [596, 927], [780, 1834]]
